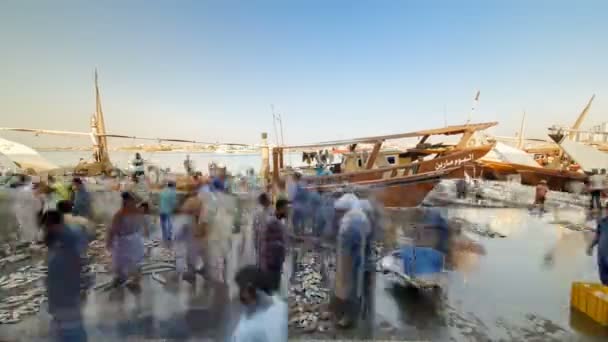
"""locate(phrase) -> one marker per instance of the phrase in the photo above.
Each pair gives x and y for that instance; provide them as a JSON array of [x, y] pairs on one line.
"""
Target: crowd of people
[[199, 228]]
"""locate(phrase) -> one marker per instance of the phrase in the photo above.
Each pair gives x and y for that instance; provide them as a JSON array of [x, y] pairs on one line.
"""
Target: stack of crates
[[592, 300]]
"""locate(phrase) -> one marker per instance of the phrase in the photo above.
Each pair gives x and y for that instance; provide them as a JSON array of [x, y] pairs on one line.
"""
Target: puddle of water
[[526, 275]]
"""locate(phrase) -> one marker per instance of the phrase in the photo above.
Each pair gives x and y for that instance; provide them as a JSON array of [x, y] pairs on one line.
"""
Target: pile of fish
[[163, 255], [13, 309], [475, 228], [308, 297], [23, 276], [14, 258], [483, 231]]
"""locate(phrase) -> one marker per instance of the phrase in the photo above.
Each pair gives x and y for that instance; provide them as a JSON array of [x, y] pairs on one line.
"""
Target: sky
[[210, 70]]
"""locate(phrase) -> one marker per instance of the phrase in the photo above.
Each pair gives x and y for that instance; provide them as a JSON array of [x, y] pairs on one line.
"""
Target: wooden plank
[[372, 158], [465, 139], [450, 130]]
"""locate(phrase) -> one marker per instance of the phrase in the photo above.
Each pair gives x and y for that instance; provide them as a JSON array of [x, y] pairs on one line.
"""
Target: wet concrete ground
[[519, 290], [175, 311]]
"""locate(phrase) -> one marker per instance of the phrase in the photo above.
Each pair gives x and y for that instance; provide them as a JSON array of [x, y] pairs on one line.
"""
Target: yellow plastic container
[[592, 300]]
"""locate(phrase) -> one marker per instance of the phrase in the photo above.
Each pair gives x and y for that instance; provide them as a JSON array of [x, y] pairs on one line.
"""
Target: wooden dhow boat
[[398, 179]]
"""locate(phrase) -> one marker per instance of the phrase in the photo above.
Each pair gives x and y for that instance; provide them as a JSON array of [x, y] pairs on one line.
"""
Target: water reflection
[[507, 285]]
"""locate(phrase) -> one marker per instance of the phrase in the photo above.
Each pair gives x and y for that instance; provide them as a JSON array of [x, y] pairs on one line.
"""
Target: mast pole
[[475, 102], [100, 126], [274, 124], [281, 128], [520, 144]]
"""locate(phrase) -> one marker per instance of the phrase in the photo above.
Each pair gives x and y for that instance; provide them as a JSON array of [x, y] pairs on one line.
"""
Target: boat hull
[[557, 180], [403, 191], [492, 170], [449, 161]]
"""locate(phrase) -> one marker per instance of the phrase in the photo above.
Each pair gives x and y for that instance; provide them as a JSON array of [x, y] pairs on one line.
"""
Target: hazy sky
[[209, 70]]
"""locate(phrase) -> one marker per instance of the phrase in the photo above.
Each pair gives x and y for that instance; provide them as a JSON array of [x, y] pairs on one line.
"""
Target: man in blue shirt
[[168, 202], [64, 278]]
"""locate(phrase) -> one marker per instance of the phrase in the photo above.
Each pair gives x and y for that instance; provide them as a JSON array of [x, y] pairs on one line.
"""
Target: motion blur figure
[[369, 271], [64, 278], [541, 195], [188, 165], [139, 189], [188, 236], [82, 199], [461, 188], [138, 165], [263, 213], [354, 227], [26, 207], [596, 186], [59, 189], [85, 230], [124, 240], [218, 216], [314, 207], [167, 205], [298, 197], [272, 245], [263, 317], [601, 241]]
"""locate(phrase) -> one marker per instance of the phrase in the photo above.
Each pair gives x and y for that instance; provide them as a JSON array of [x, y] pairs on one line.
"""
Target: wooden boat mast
[[101, 153], [581, 118]]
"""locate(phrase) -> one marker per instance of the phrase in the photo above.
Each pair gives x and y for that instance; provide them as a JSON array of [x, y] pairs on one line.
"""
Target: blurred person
[[461, 188], [138, 165], [85, 226], [298, 198], [82, 199], [85, 229], [154, 175], [601, 241], [45, 195], [326, 215], [541, 195], [148, 220], [264, 317], [139, 189], [27, 208], [190, 235], [63, 278], [197, 180], [477, 190], [272, 245], [252, 180], [262, 215], [369, 268], [188, 165], [354, 227], [280, 191], [205, 185], [167, 205], [596, 186], [125, 241], [61, 192], [217, 215], [315, 202]]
